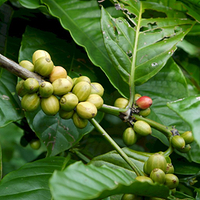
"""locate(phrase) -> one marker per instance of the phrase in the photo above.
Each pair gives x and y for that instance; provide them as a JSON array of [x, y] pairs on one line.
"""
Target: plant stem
[[80, 155], [164, 129], [16, 69], [116, 147]]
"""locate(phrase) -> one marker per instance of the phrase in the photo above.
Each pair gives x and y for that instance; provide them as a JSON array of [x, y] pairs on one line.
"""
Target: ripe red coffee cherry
[[144, 102]]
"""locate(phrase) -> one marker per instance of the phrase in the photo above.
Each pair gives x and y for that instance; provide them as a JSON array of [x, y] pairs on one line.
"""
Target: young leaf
[[79, 181], [141, 45], [31, 180]]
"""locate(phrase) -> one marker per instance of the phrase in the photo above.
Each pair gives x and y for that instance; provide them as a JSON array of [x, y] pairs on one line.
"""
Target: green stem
[[116, 147], [80, 155], [112, 110], [164, 129]]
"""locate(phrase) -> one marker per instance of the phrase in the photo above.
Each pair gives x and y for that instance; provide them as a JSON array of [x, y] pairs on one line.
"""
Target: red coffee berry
[[144, 102]]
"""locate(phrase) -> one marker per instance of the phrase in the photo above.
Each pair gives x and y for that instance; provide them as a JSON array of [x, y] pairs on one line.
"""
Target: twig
[[16, 69]]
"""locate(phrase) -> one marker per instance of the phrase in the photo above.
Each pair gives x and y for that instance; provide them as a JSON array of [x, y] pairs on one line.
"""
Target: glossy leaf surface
[[93, 182]]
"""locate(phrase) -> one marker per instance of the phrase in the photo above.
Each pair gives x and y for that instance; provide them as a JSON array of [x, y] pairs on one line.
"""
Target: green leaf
[[141, 45], [2, 1], [31, 4], [31, 180], [113, 160], [188, 109], [79, 181], [82, 19]]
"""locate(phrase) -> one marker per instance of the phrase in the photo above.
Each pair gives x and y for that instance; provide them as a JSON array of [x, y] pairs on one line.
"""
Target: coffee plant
[[99, 99]]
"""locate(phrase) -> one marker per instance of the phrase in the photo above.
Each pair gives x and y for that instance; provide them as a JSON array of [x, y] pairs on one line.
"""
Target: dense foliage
[[130, 47]]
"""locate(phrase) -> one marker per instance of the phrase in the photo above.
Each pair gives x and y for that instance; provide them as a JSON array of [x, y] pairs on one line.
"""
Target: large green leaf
[[145, 41], [82, 19], [31, 180], [188, 109], [79, 181]]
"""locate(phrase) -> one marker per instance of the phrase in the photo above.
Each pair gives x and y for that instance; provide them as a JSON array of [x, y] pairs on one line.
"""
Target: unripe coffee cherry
[[70, 80], [38, 54], [86, 110], [188, 137], [171, 181], [142, 128], [131, 197], [178, 142], [57, 72], [129, 136], [82, 90], [50, 105], [121, 102], [145, 112], [21, 91], [185, 149], [31, 85], [96, 100], [27, 65], [97, 88], [46, 89], [30, 102], [155, 161], [44, 66], [66, 114], [35, 144], [144, 179], [68, 102], [137, 96], [61, 86], [170, 168], [82, 78], [158, 175], [79, 122], [144, 102]]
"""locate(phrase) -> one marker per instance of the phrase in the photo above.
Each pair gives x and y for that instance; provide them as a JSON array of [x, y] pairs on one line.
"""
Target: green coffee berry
[[31, 85], [82, 78], [137, 96], [178, 142], [185, 149], [97, 88], [86, 110], [131, 197], [82, 90], [45, 89], [170, 168], [145, 112], [66, 114], [44, 66], [21, 91], [27, 65], [79, 122], [171, 181], [61, 86], [158, 175], [142, 128], [30, 102], [129, 136], [35, 144], [121, 102], [188, 137], [156, 160], [50, 105], [68, 102], [96, 100], [58, 72], [38, 54]]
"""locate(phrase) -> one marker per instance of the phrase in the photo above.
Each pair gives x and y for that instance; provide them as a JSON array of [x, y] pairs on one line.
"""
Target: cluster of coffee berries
[[140, 127], [157, 169], [182, 142], [76, 98]]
